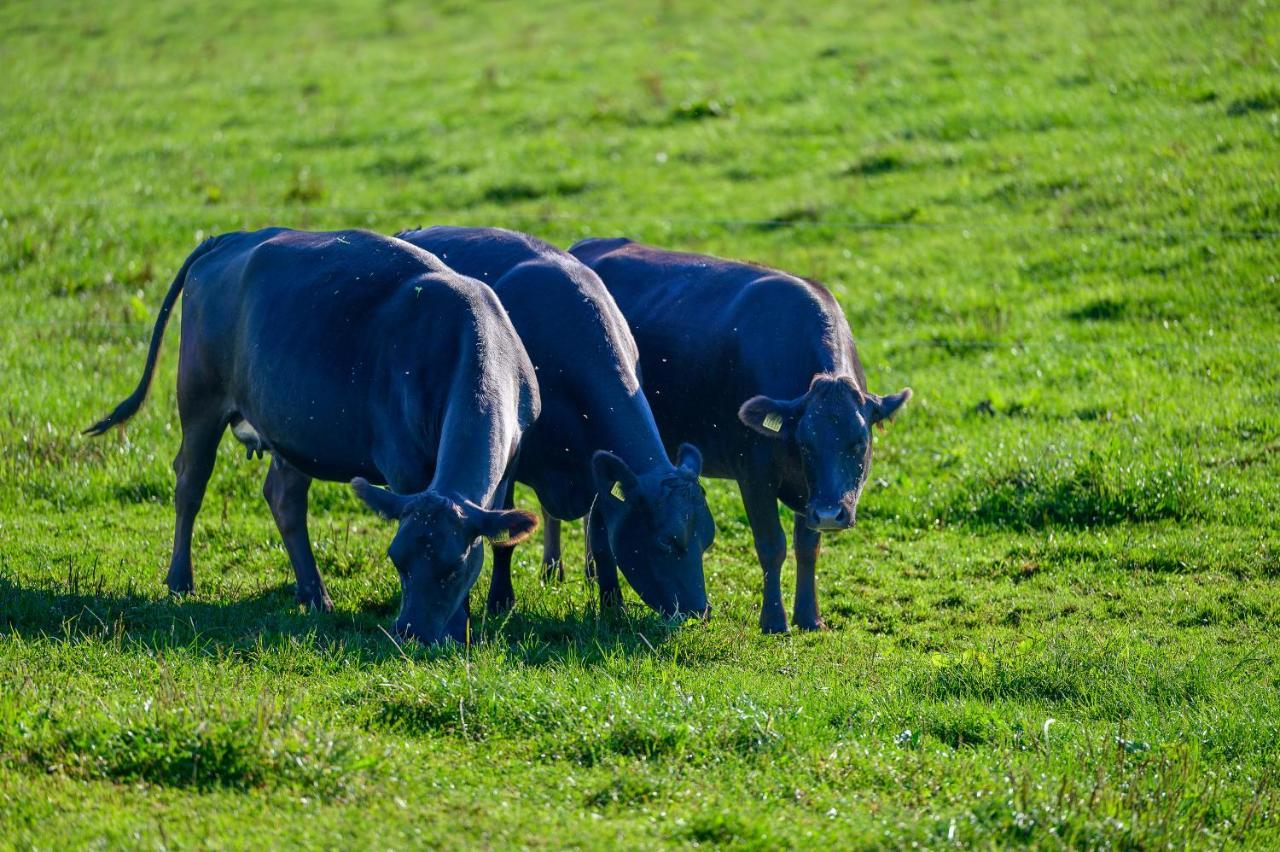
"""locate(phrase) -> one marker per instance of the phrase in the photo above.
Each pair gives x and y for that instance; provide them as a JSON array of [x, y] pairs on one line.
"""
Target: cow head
[[438, 554], [829, 428], [658, 526]]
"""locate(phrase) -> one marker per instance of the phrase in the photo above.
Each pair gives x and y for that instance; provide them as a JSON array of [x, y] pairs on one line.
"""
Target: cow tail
[[133, 402]]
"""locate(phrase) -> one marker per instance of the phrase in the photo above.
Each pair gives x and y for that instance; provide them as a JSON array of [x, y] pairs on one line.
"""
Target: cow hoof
[[180, 587], [500, 606], [773, 623], [319, 603], [815, 624], [553, 572]]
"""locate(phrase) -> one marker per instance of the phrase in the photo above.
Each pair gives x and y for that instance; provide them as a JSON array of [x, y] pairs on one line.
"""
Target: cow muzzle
[[829, 518]]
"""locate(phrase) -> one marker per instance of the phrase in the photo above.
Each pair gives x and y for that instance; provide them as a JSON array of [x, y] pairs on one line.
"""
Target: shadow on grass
[[270, 620]]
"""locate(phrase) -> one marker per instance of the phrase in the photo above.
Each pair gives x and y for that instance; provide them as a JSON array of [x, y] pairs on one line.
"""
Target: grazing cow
[[349, 354], [595, 439], [759, 369]]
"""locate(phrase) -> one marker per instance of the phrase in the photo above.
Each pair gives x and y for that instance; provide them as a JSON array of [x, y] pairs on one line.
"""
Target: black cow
[[349, 354], [596, 434], [759, 369]]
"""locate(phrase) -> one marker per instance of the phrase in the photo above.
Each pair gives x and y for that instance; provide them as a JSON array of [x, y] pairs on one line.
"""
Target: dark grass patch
[[392, 165], [743, 174], [1228, 609], [147, 489], [1097, 489], [1257, 102], [204, 749], [1118, 309], [963, 725], [942, 347], [1072, 81], [874, 164], [45, 449], [702, 109], [790, 218], [626, 789], [1052, 269], [1015, 192], [966, 126], [331, 139], [586, 728], [991, 408], [723, 828], [1104, 309], [305, 188], [1174, 552], [1151, 796], [81, 605], [518, 191], [1108, 682], [1253, 734]]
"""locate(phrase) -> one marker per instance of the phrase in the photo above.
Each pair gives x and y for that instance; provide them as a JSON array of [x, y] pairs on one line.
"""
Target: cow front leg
[[285, 490], [502, 595], [808, 543], [458, 627], [552, 565], [761, 504], [601, 565]]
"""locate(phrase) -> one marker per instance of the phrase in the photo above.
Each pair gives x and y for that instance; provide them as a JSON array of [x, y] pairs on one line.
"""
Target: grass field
[[1057, 622]]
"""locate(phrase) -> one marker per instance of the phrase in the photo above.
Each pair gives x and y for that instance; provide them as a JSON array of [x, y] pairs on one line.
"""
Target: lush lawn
[[1057, 623]]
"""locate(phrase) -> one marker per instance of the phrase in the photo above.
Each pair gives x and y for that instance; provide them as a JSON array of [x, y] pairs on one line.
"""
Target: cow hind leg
[[201, 432], [552, 565], [808, 543], [286, 490]]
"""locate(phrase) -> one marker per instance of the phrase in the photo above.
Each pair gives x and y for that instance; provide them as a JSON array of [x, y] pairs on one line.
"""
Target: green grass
[[1056, 624]]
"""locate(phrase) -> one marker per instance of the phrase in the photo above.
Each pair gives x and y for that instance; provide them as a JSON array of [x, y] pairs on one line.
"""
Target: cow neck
[[471, 460], [631, 434]]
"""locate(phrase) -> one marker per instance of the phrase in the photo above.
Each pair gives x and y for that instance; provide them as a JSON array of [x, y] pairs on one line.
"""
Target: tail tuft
[[121, 413]]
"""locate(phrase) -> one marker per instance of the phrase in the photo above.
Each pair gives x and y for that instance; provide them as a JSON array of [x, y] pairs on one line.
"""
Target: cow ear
[[614, 480], [772, 418], [503, 528], [881, 408], [689, 458], [385, 502]]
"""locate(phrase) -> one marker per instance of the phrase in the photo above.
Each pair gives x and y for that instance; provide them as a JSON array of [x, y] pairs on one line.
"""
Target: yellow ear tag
[[773, 422], [500, 536], [616, 491]]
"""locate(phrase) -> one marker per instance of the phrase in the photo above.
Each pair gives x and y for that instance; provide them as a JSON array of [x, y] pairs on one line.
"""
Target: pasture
[[1055, 623]]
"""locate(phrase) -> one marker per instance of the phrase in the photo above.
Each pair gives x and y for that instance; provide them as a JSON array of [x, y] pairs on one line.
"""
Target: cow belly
[[560, 495], [322, 451]]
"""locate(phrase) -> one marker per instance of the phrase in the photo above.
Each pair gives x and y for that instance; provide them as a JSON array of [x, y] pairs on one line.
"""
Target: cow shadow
[[268, 619]]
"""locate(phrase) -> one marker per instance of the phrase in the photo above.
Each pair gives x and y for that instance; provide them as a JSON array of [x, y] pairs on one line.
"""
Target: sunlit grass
[[1054, 623]]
